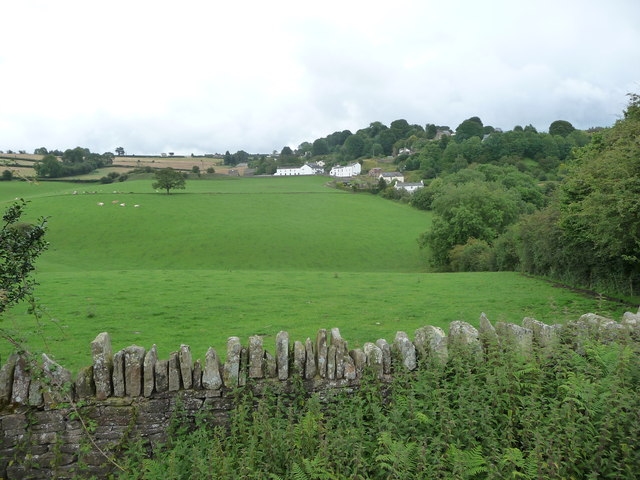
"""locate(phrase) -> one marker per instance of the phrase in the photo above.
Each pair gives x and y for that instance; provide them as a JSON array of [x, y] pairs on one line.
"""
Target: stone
[[35, 393], [282, 355], [342, 350], [232, 365], [58, 381], [386, 355], [331, 363], [299, 357], [487, 332], [186, 366], [349, 368], [197, 375], [405, 350], [211, 377], [102, 365], [133, 364], [244, 366], [322, 350], [117, 376], [174, 372], [256, 357], [375, 362], [6, 378], [463, 335], [359, 361], [515, 335], [631, 320], [544, 335], [149, 371], [310, 367], [21, 381], [270, 365], [85, 385], [162, 376], [431, 342]]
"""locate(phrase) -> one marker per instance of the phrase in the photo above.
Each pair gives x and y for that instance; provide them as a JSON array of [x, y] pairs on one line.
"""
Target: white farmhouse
[[350, 170], [306, 169], [409, 187], [391, 176]]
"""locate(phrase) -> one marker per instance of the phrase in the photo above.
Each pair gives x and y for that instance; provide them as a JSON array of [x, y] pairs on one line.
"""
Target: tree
[[49, 166], [320, 147], [353, 146], [561, 127], [40, 151], [169, 179], [195, 169], [120, 151], [7, 175], [471, 127], [20, 244]]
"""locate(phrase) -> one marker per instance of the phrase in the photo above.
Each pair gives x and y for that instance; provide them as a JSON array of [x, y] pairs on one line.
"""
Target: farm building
[[409, 187], [306, 169], [346, 171], [391, 176]]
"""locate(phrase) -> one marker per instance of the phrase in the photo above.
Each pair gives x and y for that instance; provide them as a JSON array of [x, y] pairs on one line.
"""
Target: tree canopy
[[169, 179]]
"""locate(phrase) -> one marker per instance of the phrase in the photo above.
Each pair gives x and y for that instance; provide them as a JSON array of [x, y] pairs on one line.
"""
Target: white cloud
[[200, 76]]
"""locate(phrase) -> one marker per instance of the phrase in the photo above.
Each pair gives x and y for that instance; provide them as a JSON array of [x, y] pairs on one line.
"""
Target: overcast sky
[[193, 76]]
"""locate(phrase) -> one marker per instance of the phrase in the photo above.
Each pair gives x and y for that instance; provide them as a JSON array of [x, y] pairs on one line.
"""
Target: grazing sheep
[[136, 206], [122, 204], [100, 204], [114, 202]]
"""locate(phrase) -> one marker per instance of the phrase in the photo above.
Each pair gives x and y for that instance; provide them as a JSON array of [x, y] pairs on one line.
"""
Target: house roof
[[392, 174]]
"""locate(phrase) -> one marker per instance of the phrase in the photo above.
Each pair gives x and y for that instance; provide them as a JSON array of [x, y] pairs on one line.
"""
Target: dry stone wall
[[57, 426]]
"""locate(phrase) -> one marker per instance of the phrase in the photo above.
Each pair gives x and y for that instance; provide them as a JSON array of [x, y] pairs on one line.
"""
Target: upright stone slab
[[322, 350], [117, 377], [282, 355], [463, 336], [162, 376], [405, 350], [544, 335], [133, 365], [374, 358], [244, 367], [487, 332], [6, 378], [310, 368], [232, 365], [256, 357], [515, 335], [85, 386], [270, 365], [349, 368], [174, 372], [197, 375], [35, 392], [342, 350], [149, 371], [21, 381], [211, 378], [359, 361], [186, 366], [102, 365], [299, 357], [431, 342], [331, 362], [58, 381], [383, 345]]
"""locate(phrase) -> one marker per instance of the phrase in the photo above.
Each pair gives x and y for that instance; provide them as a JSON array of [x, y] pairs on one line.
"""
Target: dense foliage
[[76, 161], [168, 179], [557, 415]]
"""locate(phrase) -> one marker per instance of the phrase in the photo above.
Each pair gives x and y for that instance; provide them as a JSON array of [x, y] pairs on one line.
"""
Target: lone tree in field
[[168, 179]]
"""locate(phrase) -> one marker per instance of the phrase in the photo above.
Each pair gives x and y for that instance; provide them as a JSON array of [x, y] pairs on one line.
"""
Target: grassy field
[[248, 256]]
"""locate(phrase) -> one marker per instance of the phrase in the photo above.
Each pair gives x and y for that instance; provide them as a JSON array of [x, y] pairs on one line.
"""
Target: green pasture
[[243, 257]]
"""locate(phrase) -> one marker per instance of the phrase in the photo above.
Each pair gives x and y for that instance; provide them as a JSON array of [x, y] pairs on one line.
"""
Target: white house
[[391, 176], [306, 169], [409, 187], [350, 170]]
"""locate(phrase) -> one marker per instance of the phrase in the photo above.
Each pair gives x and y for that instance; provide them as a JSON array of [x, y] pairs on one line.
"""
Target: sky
[[206, 76]]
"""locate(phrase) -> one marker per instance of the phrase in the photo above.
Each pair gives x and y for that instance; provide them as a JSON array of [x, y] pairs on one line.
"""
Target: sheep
[[100, 204], [136, 206], [122, 204], [114, 202]]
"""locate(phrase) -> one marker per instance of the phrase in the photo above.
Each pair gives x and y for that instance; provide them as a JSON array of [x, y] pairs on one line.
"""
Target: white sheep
[[122, 204], [136, 206], [100, 204]]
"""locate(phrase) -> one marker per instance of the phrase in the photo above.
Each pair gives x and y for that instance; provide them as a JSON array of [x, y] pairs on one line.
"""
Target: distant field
[[248, 256]]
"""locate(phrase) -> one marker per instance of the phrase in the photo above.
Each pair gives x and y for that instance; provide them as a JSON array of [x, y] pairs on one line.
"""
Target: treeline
[[584, 232], [76, 161]]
